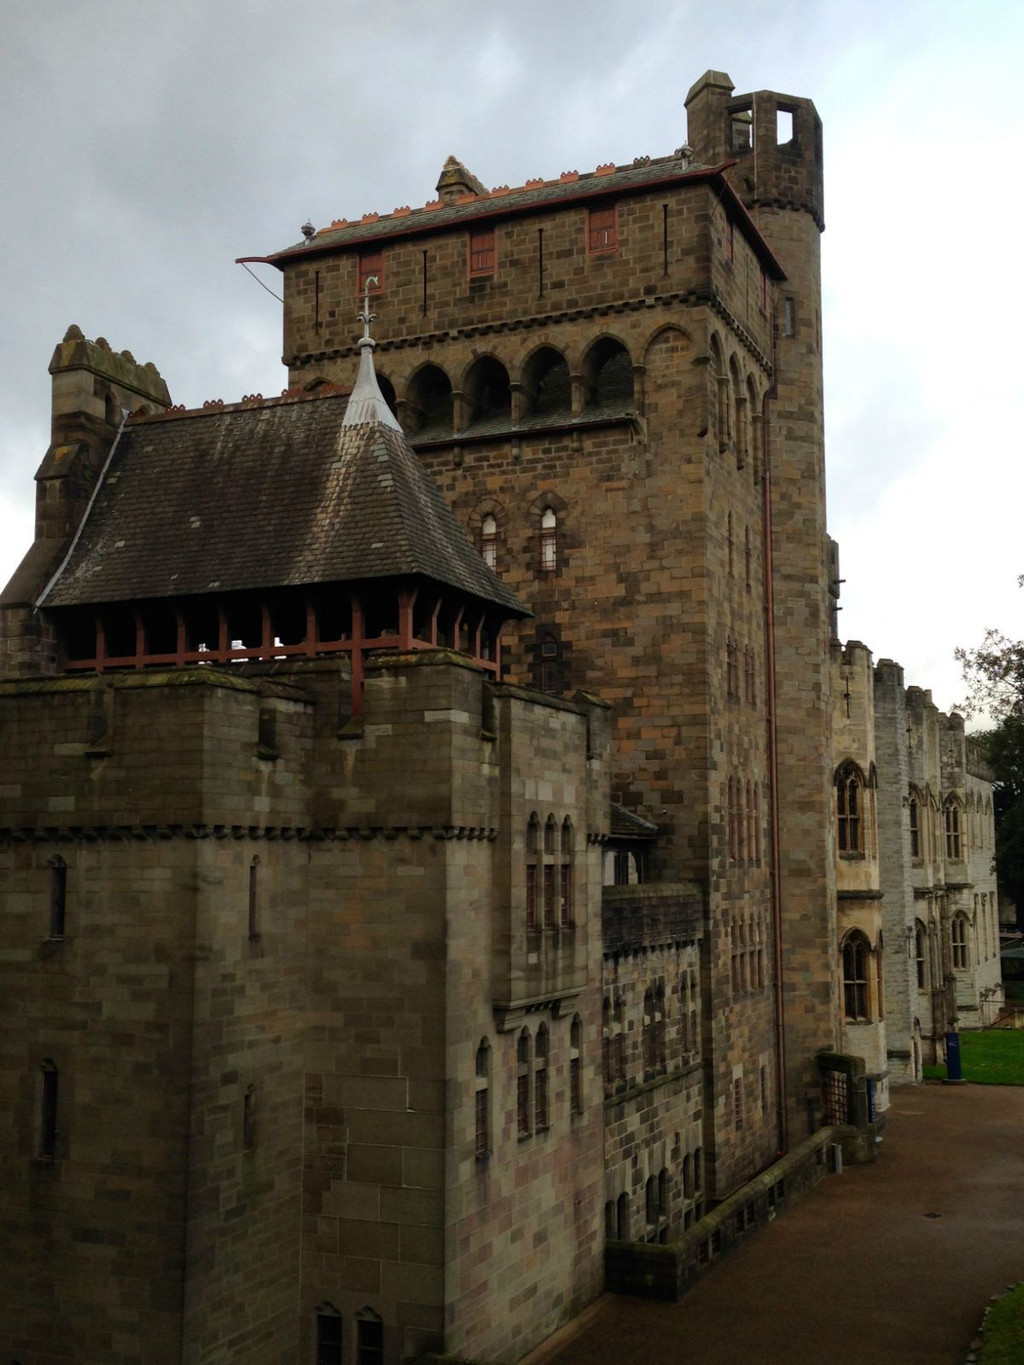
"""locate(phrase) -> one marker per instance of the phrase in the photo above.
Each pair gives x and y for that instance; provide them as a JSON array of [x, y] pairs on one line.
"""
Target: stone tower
[[775, 142]]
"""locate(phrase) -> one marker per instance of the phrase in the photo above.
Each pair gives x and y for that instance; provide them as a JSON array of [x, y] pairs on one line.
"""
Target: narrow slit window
[[328, 1335], [489, 542], [254, 900], [58, 897], [49, 1077]]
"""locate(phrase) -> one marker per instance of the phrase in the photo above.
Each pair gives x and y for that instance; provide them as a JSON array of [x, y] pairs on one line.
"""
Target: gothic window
[[606, 1043], [540, 1081], [532, 846], [729, 544], [849, 792], [855, 976], [619, 1039], [548, 541], [915, 828], [660, 1050], [48, 1082], [489, 541], [482, 253], [523, 1059], [610, 1228], [747, 558], [958, 935], [371, 269], [602, 230], [687, 1176], [481, 1103], [369, 1338], [550, 871], [58, 896], [565, 875], [328, 1335], [647, 1034], [954, 842], [749, 677], [651, 1199], [576, 1066], [737, 1103], [547, 665], [732, 675], [622, 1217]]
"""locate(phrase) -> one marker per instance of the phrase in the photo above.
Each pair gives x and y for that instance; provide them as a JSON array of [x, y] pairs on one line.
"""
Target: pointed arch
[[429, 404]]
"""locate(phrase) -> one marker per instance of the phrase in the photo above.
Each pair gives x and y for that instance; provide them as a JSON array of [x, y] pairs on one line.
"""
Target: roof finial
[[366, 403], [366, 317]]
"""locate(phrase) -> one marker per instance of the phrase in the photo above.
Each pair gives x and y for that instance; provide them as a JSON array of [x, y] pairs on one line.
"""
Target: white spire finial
[[366, 403]]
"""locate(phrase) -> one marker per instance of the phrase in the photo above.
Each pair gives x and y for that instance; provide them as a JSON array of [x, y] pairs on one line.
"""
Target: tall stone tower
[[775, 143]]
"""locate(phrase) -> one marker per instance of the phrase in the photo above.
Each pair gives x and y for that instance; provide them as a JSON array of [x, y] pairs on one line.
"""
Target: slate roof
[[255, 497], [625, 824], [503, 202]]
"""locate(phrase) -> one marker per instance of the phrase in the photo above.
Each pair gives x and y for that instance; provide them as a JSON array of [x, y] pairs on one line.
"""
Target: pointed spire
[[366, 403]]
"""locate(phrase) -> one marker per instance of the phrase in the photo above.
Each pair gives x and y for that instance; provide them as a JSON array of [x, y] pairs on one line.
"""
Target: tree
[[1003, 747], [994, 674]]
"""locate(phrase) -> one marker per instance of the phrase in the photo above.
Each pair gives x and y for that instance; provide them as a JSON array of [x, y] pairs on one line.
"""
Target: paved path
[[856, 1273]]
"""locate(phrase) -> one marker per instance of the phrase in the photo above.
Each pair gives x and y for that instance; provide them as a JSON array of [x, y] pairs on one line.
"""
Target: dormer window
[[482, 252]]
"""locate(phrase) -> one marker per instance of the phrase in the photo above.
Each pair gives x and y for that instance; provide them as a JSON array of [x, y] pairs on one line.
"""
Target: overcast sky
[[145, 146]]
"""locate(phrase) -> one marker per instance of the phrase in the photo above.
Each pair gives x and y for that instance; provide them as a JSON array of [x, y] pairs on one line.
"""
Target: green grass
[[992, 1057], [1003, 1340]]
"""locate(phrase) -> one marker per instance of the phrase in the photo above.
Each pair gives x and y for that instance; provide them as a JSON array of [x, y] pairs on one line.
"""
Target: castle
[[443, 844]]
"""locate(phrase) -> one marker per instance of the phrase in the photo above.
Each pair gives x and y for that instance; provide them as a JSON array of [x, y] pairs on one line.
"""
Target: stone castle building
[[439, 842]]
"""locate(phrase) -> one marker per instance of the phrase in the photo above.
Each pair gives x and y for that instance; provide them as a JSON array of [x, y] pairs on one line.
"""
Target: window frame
[[365, 268], [608, 228], [484, 271]]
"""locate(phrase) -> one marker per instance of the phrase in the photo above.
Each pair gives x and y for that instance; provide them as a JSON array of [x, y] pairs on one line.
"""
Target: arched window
[[660, 1050], [328, 1335], [619, 1039], [429, 404], [606, 1043], [576, 1066], [489, 393], [622, 1217], [58, 896], [548, 385], [548, 543], [482, 1103], [958, 936], [915, 827], [565, 912], [608, 375], [523, 1058], [687, 1176], [954, 842], [748, 559], [489, 541], [532, 875], [849, 789], [651, 1200], [550, 872], [540, 1081], [369, 1338], [732, 672], [647, 1032], [855, 976]]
